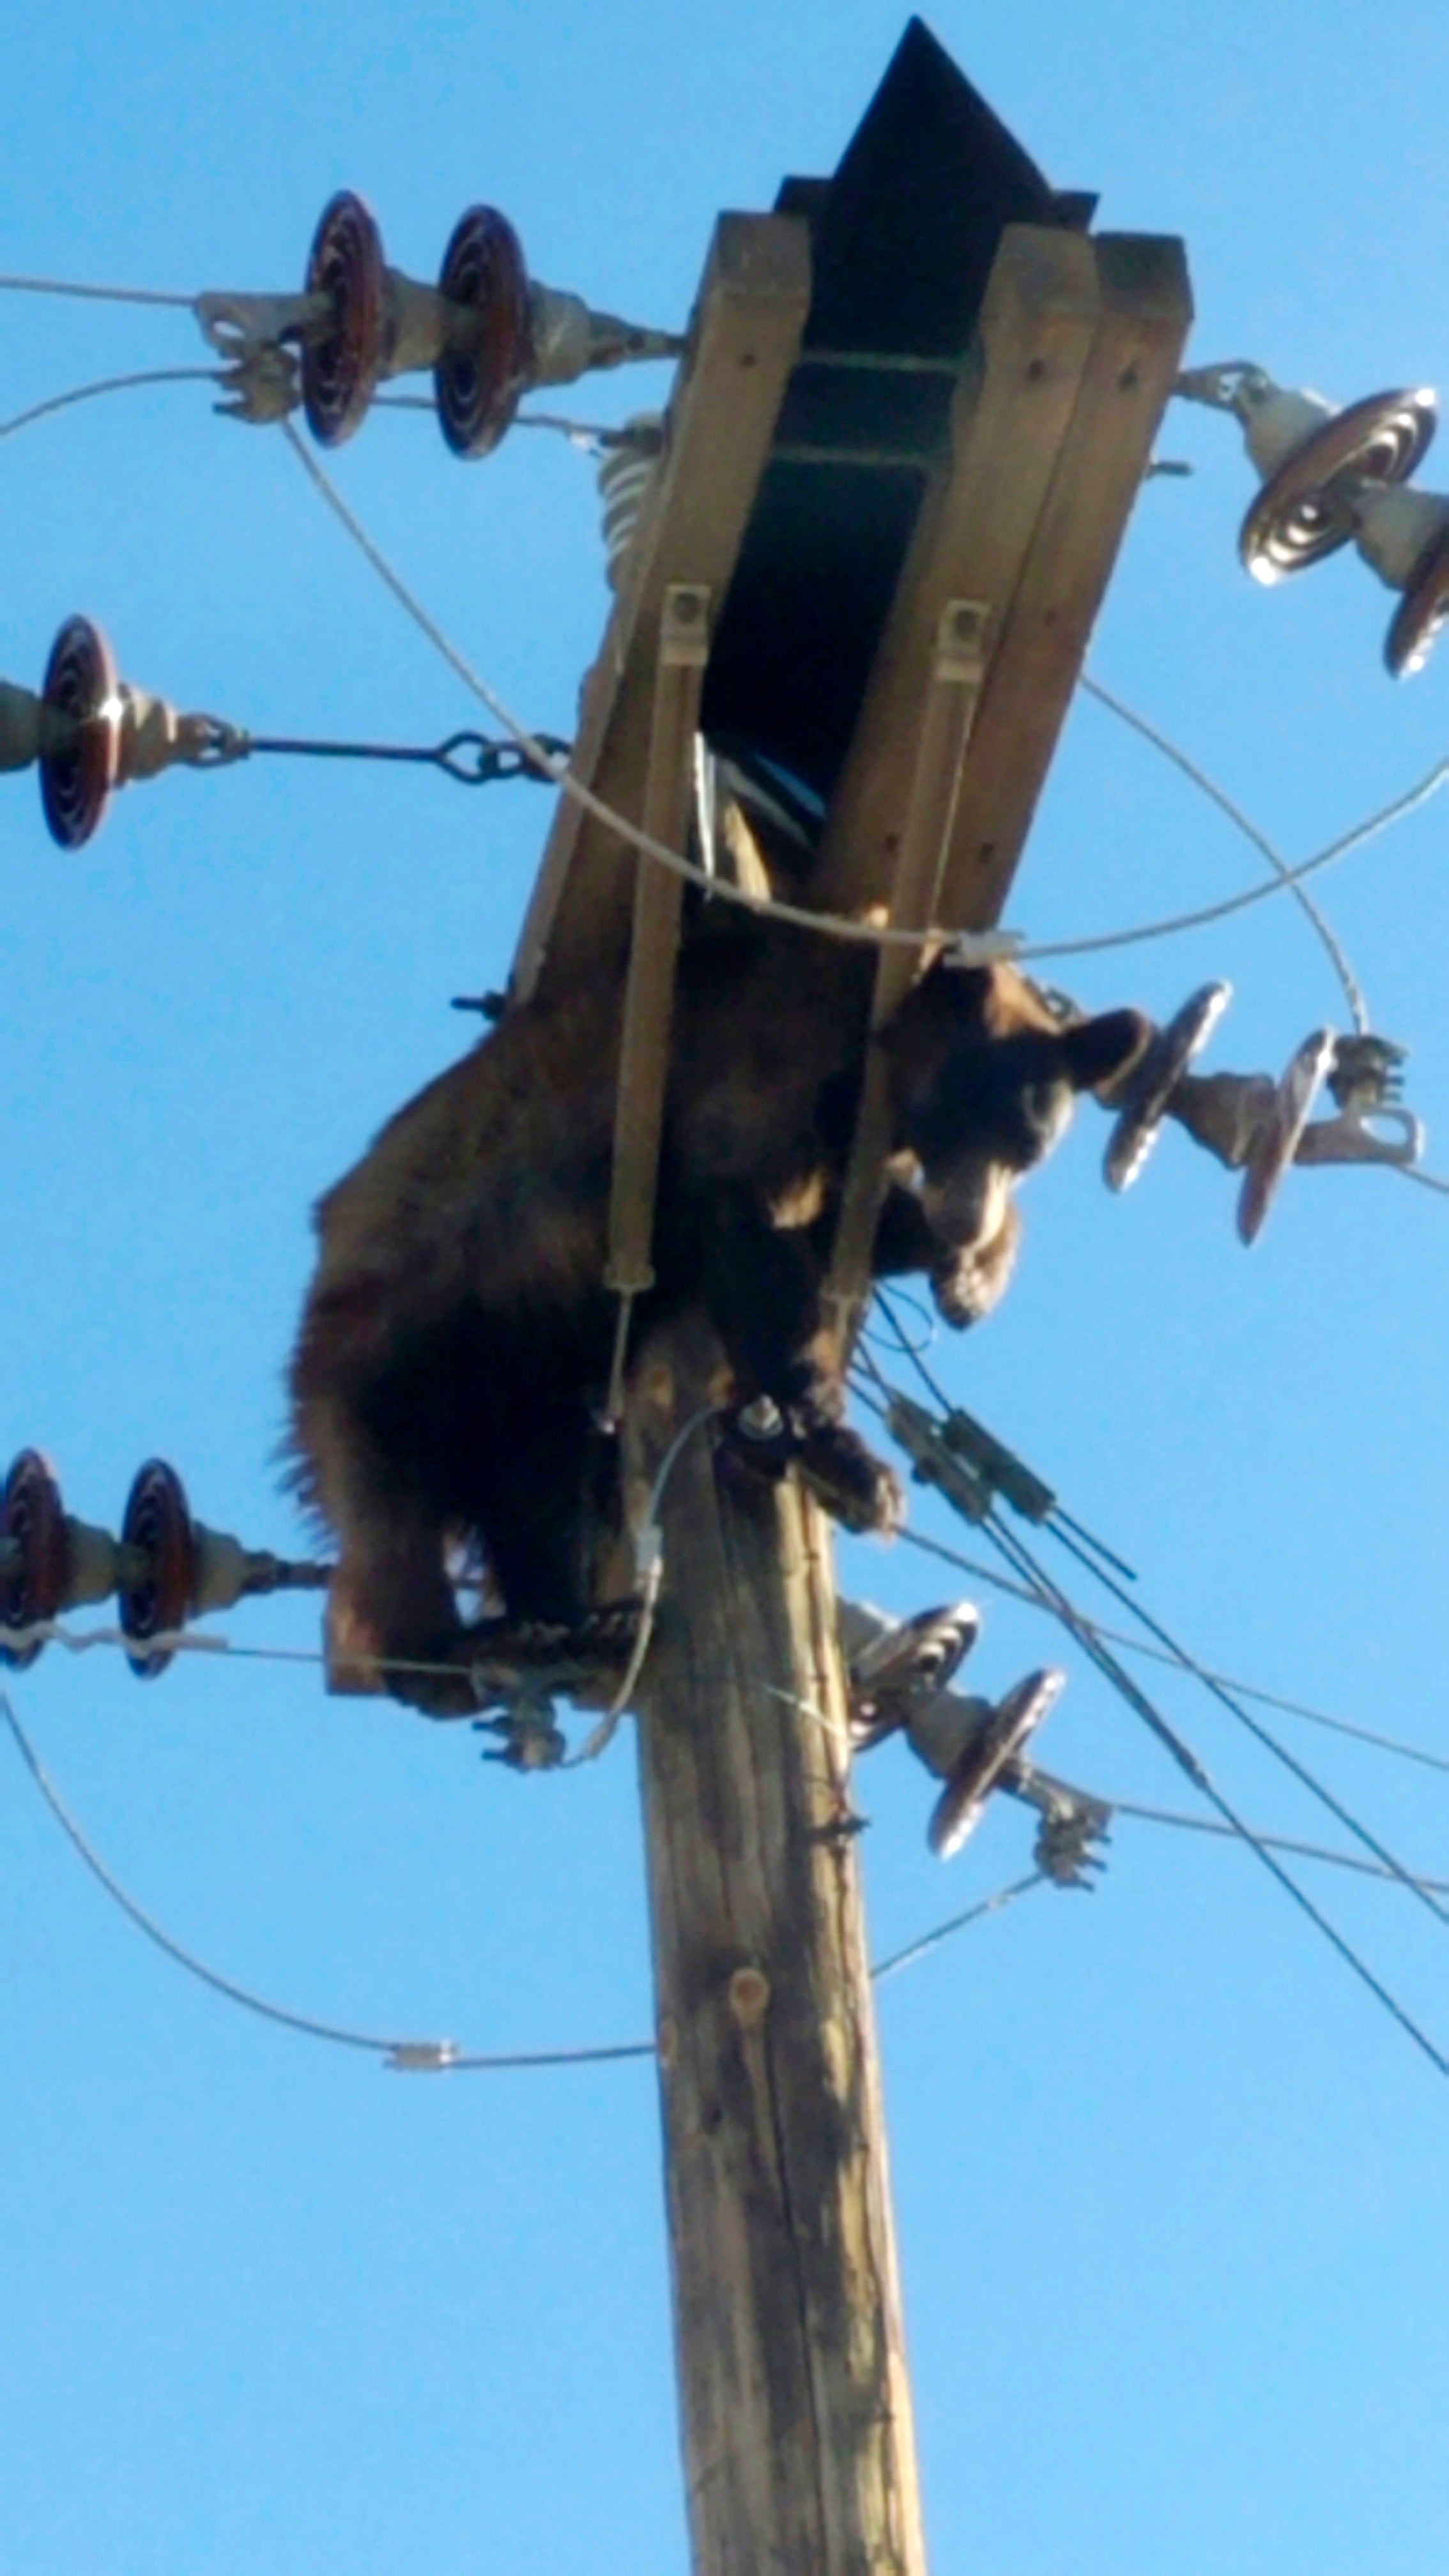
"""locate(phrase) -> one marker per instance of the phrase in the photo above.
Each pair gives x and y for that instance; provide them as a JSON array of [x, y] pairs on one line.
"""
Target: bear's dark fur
[[456, 1339]]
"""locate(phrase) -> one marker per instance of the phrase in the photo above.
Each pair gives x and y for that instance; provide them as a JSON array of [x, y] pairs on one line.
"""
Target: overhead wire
[[410, 2056], [982, 1573], [913, 1950], [401, 2056], [878, 935], [832, 925], [828, 925], [1261, 1734], [96, 294], [1394, 812], [1322, 1852], [1243, 822], [108, 385], [1019, 1555]]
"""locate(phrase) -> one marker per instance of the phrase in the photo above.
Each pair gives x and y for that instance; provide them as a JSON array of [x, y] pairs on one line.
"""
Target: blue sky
[[1169, 2186]]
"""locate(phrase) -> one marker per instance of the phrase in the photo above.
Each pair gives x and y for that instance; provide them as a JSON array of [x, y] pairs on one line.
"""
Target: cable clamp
[[421, 2056]]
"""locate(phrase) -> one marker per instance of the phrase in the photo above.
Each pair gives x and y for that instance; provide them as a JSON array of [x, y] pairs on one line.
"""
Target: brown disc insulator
[[1278, 1138], [77, 778], [1305, 510], [907, 1663], [490, 363], [984, 1757], [1151, 1085], [1421, 613], [340, 366], [36, 1562], [158, 1523]]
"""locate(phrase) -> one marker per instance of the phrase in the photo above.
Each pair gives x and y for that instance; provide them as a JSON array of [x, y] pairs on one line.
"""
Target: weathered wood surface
[[1078, 344], [796, 2410], [1011, 411], [1145, 313], [751, 311], [654, 943]]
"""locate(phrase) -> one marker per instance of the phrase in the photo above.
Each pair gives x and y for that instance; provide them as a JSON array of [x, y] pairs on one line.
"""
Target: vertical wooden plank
[[1012, 409], [751, 312], [654, 946], [955, 687], [1146, 308]]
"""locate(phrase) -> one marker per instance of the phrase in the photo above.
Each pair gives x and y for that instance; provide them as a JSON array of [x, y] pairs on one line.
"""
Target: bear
[[456, 1338]]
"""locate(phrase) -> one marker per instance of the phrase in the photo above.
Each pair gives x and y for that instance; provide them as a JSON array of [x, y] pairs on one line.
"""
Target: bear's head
[[983, 1079]]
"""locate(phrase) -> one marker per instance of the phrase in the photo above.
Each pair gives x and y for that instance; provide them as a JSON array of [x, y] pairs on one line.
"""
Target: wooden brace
[[653, 951]]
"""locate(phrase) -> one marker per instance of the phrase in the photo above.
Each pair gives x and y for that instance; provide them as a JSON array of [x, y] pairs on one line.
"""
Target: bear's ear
[[1099, 1051]]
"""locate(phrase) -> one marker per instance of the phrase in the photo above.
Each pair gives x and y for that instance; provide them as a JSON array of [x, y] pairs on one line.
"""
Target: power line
[[1395, 812], [96, 294], [958, 1923], [1323, 1852], [404, 2056], [828, 925], [109, 385], [1251, 831], [1262, 1734], [1157, 1655], [1019, 1555]]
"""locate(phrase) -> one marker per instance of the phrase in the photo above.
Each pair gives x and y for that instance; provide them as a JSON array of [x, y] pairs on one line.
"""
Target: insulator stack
[[165, 1568], [627, 474], [488, 332], [90, 732], [1254, 1124], [1331, 478]]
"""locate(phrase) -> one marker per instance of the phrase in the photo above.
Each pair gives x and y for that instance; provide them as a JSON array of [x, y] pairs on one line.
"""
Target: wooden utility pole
[[899, 462], [799, 2445]]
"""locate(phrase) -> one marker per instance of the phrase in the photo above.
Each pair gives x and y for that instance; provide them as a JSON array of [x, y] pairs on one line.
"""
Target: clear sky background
[[1170, 2186]]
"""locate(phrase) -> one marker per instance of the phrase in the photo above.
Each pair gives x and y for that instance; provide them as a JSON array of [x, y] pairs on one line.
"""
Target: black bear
[[457, 1334]]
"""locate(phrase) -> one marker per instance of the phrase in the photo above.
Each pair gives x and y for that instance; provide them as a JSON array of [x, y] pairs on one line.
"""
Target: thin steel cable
[[1401, 806], [108, 385], [580, 433], [1020, 1556], [938, 1395], [1251, 831], [832, 925], [1000, 1582], [1426, 1180], [96, 294], [828, 925], [996, 1532], [410, 2056], [1323, 1852], [1261, 1733], [649, 1552], [914, 1950]]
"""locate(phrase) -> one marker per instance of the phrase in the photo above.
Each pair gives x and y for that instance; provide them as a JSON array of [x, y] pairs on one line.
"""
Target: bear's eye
[[1047, 1108]]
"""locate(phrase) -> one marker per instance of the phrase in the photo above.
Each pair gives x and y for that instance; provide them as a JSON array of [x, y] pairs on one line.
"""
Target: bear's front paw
[[855, 1486]]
